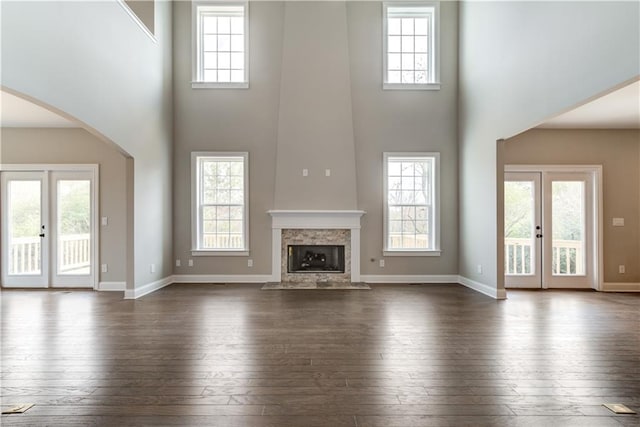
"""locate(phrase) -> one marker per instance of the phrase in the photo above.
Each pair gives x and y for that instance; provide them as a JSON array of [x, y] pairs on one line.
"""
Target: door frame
[[94, 171], [598, 217]]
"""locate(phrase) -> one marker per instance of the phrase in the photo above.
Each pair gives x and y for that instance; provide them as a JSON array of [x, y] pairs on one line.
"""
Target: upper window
[[220, 44], [411, 45], [411, 220], [219, 195]]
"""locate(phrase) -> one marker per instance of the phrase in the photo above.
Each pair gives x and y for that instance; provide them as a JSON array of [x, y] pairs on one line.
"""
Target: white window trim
[[435, 46], [195, 190], [436, 209], [195, 47]]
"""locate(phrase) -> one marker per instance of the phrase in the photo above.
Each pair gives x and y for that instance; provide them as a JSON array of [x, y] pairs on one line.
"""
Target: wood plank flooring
[[398, 355]]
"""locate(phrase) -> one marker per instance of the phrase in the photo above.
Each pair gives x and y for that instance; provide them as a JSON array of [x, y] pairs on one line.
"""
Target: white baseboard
[[221, 278], [264, 278], [380, 278], [148, 288], [483, 288], [621, 287], [112, 286]]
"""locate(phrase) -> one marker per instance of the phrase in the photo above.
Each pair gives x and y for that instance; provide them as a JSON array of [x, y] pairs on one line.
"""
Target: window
[[411, 213], [411, 45], [219, 203], [220, 45]]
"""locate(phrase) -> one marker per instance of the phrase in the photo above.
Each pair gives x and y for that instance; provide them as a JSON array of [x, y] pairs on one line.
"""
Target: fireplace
[[318, 230], [315, 258]]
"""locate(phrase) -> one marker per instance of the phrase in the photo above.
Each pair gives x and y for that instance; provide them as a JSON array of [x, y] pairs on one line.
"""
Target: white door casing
[[559, 269], [55, 272]]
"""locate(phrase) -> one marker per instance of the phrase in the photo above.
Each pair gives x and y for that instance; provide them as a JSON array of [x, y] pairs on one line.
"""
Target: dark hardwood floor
[[398, 355]]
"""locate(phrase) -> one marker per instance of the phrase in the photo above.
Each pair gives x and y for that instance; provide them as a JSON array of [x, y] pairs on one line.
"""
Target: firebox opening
[[315, 258]]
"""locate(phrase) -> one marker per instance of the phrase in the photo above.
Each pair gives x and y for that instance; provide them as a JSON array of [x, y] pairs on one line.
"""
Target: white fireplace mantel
[[315, 219]]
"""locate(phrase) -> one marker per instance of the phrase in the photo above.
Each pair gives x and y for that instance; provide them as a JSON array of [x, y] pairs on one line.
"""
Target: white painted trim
[[39, 167], [212, 85], [138, 21], [46, 170], [620, 287], [598, 208], [221, 278], [195, 252], [196, 59], [411, 253], [483, 288], [435, 213], [143, 290], [92, 173], [392, 278], [551, 168], [355, 255], [276, 255], [434, 60], [411, 86], [27, 280], [195, 204], [112, 286], [315, 219]]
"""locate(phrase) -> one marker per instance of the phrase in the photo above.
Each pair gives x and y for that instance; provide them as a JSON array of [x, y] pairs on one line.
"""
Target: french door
[[550, 229], [48, 228]]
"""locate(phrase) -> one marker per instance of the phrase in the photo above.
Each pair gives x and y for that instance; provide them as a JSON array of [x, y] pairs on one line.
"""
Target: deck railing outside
[[567, 259], [74, 253], [223, 241]]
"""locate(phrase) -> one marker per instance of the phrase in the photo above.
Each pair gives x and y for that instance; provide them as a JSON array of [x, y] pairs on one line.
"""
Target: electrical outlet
[[105, 220], [381, 263], [305, 172], [249, 263], [190, 263], [479, 268], [327, 172], [178, 263], [153, 268], [621, 269], [104, 268]]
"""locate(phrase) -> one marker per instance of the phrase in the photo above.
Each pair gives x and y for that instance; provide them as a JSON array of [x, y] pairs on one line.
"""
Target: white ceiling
[[617, 110], [16, 112]]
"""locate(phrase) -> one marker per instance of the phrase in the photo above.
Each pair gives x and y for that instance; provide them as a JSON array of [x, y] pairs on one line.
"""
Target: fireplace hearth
[[315, 259]]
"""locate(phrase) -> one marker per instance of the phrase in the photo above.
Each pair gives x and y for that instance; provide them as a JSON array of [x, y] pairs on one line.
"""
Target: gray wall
[[520, 63], [145, 11], [396, 120], [618, 151], [247, 120], [68, 146], [229, 120], [92, 62], [315, 128]]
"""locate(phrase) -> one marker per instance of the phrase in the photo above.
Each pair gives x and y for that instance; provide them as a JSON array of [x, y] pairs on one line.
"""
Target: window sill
[[404, 86], [410, 253], [211, 85], [199, 252]]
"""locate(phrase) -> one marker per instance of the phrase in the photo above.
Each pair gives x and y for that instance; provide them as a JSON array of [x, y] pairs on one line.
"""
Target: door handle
[[538, 235], [42, 234]]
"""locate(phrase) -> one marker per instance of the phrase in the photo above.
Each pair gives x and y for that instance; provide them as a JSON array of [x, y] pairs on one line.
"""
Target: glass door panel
[[24, 230], [569, 203], [522, 229], [568, 216], [73, 242]]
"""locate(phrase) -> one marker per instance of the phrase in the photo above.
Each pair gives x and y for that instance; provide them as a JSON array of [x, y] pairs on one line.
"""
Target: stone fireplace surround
[[314, 227]]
